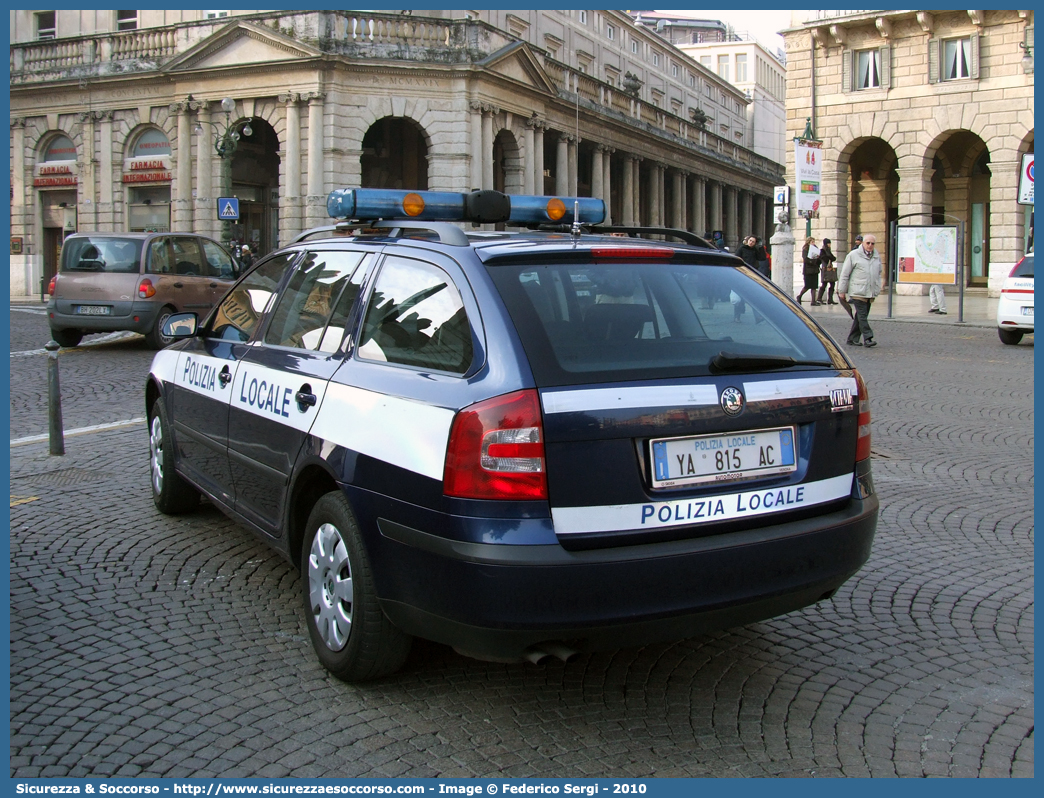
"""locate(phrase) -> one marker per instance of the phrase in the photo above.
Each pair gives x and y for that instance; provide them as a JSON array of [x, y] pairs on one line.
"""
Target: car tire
[[154, 338], [67, 338], [1009, 337], [351, 635], [171, 494]]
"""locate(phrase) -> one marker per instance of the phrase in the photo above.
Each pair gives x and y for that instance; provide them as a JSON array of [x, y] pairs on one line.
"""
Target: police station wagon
[[519, 444]]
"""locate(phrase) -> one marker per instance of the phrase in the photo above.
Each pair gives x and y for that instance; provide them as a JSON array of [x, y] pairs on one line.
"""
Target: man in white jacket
[[860, 281]]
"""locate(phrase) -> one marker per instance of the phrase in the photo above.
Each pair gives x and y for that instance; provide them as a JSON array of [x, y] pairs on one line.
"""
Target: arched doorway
[[507, 163], [395, 155], [56, 174], [255, 181], [961, 190], [873, 192]]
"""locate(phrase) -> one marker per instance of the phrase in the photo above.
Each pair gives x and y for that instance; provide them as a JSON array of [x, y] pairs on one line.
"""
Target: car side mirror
[[180, 325]]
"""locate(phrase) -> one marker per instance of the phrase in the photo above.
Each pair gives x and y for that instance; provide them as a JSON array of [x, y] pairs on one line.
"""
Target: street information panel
[[927, 254], [808, 160]]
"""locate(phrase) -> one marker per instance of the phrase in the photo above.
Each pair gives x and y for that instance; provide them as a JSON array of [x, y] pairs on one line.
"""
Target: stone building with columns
[[920, 112], [107, 111]]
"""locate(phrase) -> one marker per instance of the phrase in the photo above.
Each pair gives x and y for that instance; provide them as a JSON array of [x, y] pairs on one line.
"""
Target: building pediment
[[517, 62], [239, 44]]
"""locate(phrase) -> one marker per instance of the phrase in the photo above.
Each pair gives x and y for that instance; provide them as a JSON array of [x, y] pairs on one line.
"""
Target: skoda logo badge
[[732, 401]]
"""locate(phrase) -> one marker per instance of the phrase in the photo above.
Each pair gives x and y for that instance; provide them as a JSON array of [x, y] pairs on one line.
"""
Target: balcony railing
[[353, 34]]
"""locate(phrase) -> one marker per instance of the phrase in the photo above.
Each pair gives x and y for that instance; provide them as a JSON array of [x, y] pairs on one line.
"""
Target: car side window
[[304, 316], [415, 317], [218, 262], [240, 311], [160, 260], [187, 259]]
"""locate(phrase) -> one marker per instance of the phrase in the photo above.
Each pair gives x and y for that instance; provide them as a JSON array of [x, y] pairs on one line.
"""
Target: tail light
[[643, 253], [1015, 268], [496, 450], [50, 285], [146, 289], [863, 439]]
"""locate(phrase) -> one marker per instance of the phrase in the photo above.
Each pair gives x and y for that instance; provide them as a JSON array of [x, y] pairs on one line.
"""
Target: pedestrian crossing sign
[[228, 209]]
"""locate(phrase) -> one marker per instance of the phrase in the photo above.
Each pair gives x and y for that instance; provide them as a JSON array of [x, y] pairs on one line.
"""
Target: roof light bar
[[480, 207]]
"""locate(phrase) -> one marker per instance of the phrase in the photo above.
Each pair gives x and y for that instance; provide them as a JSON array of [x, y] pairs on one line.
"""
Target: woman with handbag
[[827, 272], [810, 269]]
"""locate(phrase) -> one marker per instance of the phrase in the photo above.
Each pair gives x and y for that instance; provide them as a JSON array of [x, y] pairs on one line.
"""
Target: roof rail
[[448, 233], [684, 235]]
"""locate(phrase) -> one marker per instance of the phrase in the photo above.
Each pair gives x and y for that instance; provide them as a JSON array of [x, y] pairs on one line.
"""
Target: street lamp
[[226, 142]]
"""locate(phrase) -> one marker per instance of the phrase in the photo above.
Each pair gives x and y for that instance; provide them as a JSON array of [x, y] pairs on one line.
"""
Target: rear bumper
[[145, 312], [501, 602], [1011, 317]]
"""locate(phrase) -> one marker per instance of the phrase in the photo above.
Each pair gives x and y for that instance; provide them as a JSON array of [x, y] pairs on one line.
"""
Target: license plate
[[93, 310], [1027, 311], [723, 458]]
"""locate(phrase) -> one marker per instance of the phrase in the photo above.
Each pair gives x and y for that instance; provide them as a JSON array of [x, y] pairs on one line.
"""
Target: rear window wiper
[[731, 361]]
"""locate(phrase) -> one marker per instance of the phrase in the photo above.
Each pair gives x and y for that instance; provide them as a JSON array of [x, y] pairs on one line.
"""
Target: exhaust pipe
[[552, 648]]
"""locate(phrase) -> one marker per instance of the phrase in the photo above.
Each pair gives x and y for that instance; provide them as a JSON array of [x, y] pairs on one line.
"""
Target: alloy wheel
[[330, 588]]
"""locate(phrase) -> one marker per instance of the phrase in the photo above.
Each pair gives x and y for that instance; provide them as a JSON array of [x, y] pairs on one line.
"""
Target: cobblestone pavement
[[143, 645]]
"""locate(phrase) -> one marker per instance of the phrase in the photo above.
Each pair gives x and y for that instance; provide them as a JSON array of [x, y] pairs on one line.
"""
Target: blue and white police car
[[517, 443]]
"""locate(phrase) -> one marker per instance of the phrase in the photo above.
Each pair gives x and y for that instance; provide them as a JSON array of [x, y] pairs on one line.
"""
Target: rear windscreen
[[1024, 268], [101, 254], [586, 323]]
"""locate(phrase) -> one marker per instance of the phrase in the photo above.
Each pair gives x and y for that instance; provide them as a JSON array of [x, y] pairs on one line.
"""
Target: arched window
[[147, 175]]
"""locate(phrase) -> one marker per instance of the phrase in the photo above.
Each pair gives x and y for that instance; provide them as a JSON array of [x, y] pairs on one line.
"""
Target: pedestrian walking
[[246, 258], [764, 259], [938, 298], [748, 252], [860, 281], [827, 272], [810, 269]]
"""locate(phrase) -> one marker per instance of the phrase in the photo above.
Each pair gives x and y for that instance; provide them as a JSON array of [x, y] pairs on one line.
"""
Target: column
[[747, 215], [597, 187], [562, 166], [22, 278], [759, 218], [715, 205], [627, 205], [1006, 217], [316, 197], [678, 199], [205, 197], [607, 187], [636, 195], [181, 210], [105, 173], [538, 158], [290, 197], [699, 205], [574, 144], [731, 231], [655, 195], [487, 145], [86, 216], [528, 176], [476, 143]]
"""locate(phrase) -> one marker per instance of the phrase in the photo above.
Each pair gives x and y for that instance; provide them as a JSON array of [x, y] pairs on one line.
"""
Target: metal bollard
[[54, 400]]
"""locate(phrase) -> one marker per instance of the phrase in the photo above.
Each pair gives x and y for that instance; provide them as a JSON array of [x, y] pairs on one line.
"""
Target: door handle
[[179, 285], [305, 398], [224, 376], [213, 285]]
